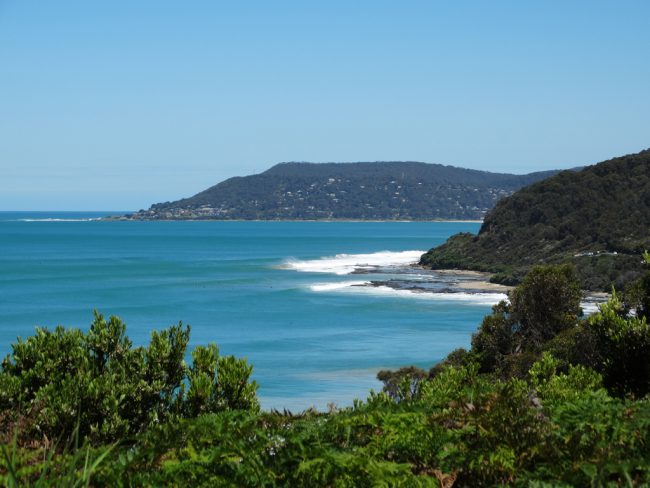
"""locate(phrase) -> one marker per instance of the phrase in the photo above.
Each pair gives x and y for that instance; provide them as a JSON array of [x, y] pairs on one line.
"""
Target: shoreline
[[483, 286], [451, 281], [125, 219], [479, 282], [471, 281]]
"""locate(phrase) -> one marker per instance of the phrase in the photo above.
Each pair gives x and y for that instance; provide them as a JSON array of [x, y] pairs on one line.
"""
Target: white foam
[[365, 287], [337, 286], [468, 298], [343, 264], [589, 308], [56, 220]]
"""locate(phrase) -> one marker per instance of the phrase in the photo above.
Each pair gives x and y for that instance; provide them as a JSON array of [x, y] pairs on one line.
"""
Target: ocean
[[318, 308]]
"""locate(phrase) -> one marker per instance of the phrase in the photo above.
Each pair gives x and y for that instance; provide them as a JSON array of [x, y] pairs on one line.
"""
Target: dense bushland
[[544, 397], [596, 219]]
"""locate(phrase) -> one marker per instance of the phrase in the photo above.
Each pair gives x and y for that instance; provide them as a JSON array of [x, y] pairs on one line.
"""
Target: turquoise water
[[258, 289]]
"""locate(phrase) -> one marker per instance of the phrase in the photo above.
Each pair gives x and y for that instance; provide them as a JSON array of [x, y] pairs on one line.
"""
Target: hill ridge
[[384, 190]]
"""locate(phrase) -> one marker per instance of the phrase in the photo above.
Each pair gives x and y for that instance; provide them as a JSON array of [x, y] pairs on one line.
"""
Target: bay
[[281, 294]]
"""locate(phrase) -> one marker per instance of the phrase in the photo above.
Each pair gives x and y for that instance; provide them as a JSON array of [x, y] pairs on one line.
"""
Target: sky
[[115, 105]]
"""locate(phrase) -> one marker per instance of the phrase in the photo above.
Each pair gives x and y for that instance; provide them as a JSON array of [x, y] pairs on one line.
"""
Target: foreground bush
[[101, 387], [461, 428], [542, 315]]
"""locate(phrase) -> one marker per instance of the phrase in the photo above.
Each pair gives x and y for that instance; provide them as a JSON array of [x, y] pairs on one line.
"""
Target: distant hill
[[382, 190], [597, 218]]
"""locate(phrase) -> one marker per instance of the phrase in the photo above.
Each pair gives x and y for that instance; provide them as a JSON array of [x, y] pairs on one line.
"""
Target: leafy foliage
[[624, 346], [546, 304], [58, 382]]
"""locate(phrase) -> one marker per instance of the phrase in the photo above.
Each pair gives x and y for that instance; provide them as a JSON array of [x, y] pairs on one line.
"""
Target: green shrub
[[598, 441], [495, 432], [623, 344], [56, 382], [218, 383], [546, 303], [575, 345], [494, 340], [556, 388]]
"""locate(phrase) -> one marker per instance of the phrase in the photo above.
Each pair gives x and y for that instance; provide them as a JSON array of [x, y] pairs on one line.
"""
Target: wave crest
[[343, 264]]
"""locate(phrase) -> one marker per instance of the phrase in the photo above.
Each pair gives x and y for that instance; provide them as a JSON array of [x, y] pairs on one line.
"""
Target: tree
[[623, 343], [546, 303], [494, 339], [403, 384]]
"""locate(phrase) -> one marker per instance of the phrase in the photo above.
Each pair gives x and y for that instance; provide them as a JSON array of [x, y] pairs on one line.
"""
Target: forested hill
[[381, 190], [598, 218]]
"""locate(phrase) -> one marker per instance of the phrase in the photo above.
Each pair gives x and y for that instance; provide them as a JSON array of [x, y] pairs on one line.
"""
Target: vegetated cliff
[[381, 190], [597, 218]]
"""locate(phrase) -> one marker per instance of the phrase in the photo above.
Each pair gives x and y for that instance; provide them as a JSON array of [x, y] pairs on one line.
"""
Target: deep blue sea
[[284, 295]]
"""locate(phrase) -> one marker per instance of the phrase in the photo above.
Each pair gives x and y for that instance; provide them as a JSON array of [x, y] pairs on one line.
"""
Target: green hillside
[[372, 191], [597, 218]]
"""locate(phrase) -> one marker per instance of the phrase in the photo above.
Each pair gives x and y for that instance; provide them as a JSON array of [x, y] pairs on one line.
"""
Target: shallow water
[[282, 294]]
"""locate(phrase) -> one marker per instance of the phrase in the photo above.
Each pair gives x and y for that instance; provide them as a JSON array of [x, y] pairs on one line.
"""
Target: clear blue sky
[[120, 104]]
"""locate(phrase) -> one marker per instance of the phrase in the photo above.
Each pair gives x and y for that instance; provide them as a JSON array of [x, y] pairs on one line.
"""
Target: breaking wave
[[367, 288], [337, 286], [477, 298], [343, 264]]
